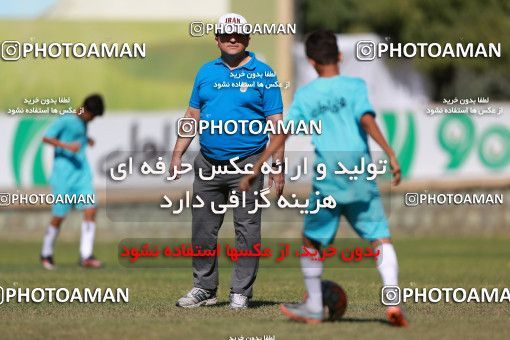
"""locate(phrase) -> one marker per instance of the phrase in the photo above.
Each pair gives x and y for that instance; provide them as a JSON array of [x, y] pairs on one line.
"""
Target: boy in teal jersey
[[347, 116], [71, 176]]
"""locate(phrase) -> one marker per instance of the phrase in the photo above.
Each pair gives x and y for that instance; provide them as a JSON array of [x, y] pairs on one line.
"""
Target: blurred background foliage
[[441, 21]]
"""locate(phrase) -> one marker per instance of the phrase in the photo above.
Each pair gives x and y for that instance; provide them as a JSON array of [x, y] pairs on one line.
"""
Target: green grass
[[425, 262], [161, 81]]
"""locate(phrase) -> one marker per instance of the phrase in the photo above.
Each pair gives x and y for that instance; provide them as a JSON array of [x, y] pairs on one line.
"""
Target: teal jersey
[[339, 103], [69, 168]]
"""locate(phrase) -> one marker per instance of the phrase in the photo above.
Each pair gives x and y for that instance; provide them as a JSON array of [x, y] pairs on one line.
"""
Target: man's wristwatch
[[277, 165]]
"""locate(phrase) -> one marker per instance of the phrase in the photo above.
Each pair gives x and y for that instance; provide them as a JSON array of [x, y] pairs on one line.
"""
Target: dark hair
[[94, 104], [321, 47]]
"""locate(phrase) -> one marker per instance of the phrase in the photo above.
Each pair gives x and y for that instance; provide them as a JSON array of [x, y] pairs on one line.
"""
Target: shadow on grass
[[357, 320], [364, 320], [264, 303], [253, 304]]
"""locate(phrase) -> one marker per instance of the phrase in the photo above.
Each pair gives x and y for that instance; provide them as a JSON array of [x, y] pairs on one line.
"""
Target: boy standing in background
[[71, 176]]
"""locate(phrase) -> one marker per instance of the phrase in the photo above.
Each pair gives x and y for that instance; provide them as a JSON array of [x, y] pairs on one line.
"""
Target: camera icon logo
[[411, 199], [197, 29], [11, 50], [5, 199], [390, 295], [187, 127], [365, 50]]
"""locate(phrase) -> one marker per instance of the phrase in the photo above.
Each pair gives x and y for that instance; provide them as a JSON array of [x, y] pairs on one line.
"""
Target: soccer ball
[[334, 300]]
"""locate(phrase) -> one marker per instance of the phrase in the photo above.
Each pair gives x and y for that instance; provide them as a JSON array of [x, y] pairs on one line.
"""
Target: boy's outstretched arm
[[73, 147], [275, 144], [372, 129]]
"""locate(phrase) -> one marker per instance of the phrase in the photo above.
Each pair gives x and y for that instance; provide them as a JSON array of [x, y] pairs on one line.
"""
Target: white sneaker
[[197, 297], [238, 301]]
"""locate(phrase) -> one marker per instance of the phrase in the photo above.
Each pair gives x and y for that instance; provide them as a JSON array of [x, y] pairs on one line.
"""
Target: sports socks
[[49, 240], [312, 271], [88, 229], [387, 264]]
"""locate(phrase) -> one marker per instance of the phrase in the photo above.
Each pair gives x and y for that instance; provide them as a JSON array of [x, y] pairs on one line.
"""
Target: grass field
[[150, 313]]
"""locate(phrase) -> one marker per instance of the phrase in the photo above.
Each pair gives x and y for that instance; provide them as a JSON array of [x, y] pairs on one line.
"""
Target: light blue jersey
[[339, 103], [234, 103], [71, 172]]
